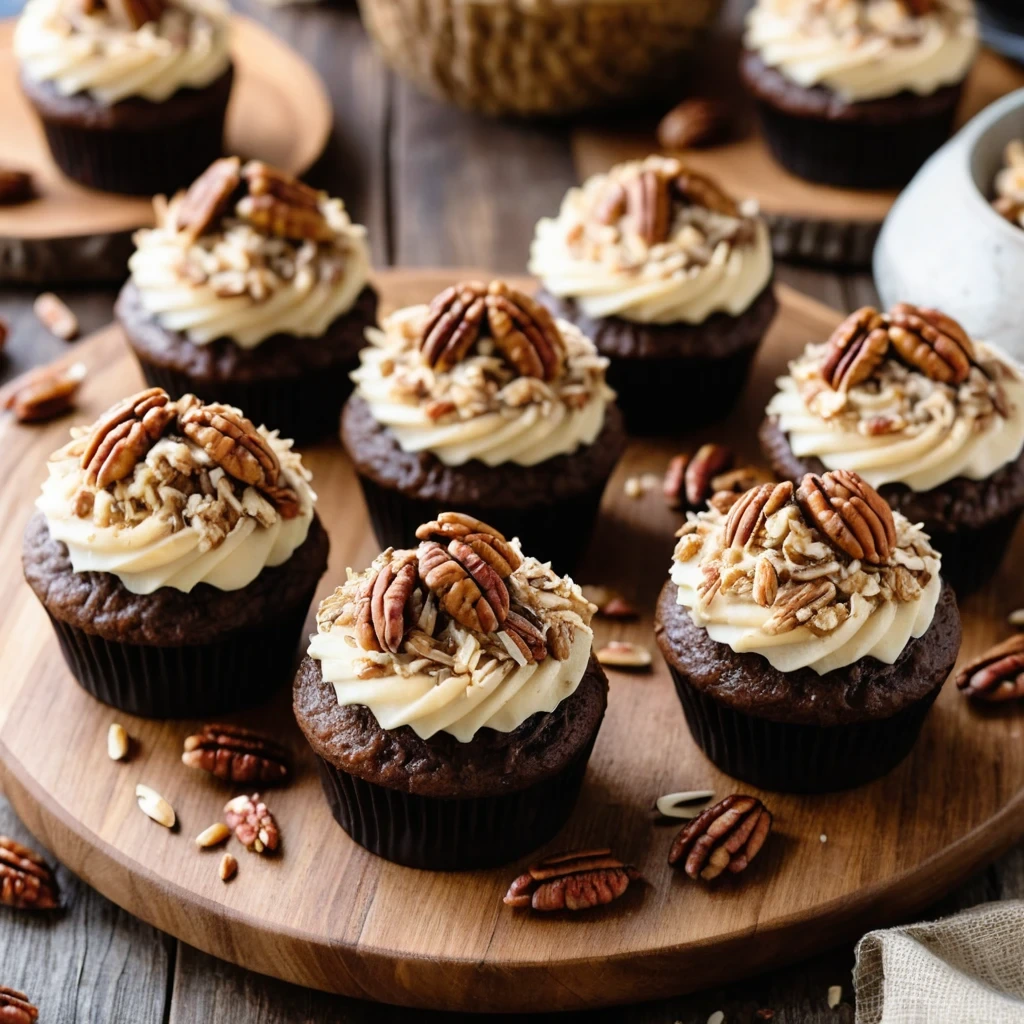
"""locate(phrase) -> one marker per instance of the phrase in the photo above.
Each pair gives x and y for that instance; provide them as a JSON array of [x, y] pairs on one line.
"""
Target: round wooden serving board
[[816, 223], [279, 112], [324, 913]]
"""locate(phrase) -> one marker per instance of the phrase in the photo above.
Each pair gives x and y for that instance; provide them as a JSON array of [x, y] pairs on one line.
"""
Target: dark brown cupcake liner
[[847, 244], [241, 669], [452, 834], [971, 557], [558, 533], [304, 408], [855, 153], [797, 758]]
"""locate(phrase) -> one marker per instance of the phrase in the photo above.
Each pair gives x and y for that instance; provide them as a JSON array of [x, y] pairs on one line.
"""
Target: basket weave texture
[[529, 57]]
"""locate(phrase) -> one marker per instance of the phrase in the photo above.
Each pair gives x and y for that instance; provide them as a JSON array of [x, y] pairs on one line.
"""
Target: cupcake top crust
[[653, 242], [246, 253], [113, 51], [903, 397], [816, 576], [165, 493], [484, 372], [460, 633], [866, 49]]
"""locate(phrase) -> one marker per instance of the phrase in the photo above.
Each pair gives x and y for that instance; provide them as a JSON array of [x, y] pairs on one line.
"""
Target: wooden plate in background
[[279, 112], [329, 915]]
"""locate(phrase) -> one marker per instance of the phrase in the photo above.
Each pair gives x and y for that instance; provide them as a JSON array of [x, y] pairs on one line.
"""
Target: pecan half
[[709, 461], [453, 323], [673, 485], [649, 206], [740, 480], [726, 837], [695, 122], [522, 628], [485, 541], [26, 881], [578, 880], [996, 675], [15, 1007], [699, 190], [253, 823], [208, 196], [234, 754], [45, 392], [476, 597], [121, 437], [524, 331], [15, 186], [766, 582], [750, 510], [276, 217], [263, 180], [851, 514], [389, 598], [611, 204], [932, 342], [856, 349], [56, 316]]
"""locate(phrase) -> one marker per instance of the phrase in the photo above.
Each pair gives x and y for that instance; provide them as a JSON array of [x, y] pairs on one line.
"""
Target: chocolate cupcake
[[932, 419], [808, 632], [481, 401], [132, 95], [861, 92], [252, 290], [673, 281], [452, 699], [176, 551]]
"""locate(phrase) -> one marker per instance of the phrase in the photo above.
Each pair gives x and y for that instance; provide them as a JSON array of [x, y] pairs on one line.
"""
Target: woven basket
[[530, 57]]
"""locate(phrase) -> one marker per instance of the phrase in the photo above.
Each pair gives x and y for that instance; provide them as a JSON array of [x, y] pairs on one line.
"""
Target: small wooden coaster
[[279, 111], [816, 223]]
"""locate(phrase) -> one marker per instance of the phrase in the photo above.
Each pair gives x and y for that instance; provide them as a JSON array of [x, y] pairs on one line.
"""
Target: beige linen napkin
[[967, 969]]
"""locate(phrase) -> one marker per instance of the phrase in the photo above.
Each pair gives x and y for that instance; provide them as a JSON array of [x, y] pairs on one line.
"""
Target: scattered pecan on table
[[15, 1007], [693, 123], [253, 823], [43, 393], [27, 882], [16, 186], [997, 675], [578, 880], [726, 837], [239, 755]]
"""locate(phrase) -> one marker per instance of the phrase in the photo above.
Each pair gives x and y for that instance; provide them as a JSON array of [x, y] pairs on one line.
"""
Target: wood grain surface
[[328, 915]]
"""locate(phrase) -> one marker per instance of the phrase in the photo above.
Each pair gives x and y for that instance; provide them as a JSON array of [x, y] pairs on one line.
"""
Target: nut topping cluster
[[807, 555], [465, 601]]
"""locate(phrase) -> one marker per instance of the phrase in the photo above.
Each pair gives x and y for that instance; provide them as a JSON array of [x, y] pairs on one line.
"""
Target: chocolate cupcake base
[[799, 732], [169, 654], [135, 147], [670, 378], [295, 385], [552, 507], [876, 144]]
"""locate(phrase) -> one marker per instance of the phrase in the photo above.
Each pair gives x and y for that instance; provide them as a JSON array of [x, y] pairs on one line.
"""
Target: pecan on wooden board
[[997, 675], [578, 880], [27, 882], [234, 754], [253, 823], [43, 393], [16, 186], [726, 837], [53, 313], [15, 1007], [694, 123], [856, 349], [851, 514], [931, 342], [208, 196], [121, 437]]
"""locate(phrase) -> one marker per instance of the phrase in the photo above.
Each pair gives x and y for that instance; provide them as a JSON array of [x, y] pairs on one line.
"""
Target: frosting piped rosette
[[484, 372], [653, 242], [461, 633], [248, 252], [817, 576], [164, 493], [866, 49], [903, 397]]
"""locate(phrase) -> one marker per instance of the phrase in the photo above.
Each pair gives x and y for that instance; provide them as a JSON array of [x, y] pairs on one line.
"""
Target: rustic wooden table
[[434, 187]]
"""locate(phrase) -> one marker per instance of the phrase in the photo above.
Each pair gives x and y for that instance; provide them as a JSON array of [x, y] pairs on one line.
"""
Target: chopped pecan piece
[[766, 582], [622, 654], [525, 332], [26, 881], [53, 313], [276, 217], [851, 514], [700, 190], [253, 823], [453, 323], [856, 349], [532, 637], [796, 603], [693, 123], [649, 206], [611, 204], [234, 754], [726, 837], [136, 13], [673, 485], [264, 180], [122, 436], [486, 541], [476, 598], [740, 480], [996, 675], [932, 342], [572, 881], [15, 186], [45, 392], [208, 196], [750, 510], [15, 1007]]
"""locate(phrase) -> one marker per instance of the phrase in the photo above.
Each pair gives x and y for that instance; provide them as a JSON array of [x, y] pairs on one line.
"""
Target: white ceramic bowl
[[943, 245]]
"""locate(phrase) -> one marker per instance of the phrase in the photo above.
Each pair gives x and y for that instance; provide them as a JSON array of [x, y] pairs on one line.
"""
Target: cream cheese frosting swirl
[[865, 49], [712, 259], [188, 47], [900, 426], [439, 674], [481, 407], [239, 280], [791, 596], [178, 518]]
